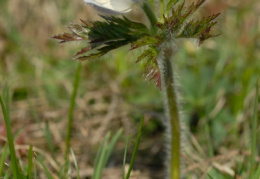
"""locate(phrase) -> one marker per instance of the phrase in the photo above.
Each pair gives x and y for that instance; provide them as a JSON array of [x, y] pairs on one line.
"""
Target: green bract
[[113, 32]]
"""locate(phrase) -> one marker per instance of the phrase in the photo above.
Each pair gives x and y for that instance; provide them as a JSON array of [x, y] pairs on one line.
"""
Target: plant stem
[[14, 162], [150, 15], [71, 109], [172, 112], [171, 106], [254, 136]]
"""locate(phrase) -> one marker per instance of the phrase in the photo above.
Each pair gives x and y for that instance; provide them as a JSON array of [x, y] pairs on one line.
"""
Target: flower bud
[[112, 6]]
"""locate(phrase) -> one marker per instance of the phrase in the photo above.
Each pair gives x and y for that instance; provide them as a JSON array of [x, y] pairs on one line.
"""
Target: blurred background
[[217, 89]]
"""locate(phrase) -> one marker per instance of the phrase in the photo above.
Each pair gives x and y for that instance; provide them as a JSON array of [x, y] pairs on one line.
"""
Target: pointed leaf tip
[[83, 50]]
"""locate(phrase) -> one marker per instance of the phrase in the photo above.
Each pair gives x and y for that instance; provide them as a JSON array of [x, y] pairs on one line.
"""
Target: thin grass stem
[[124, 159], [253, 136], [71, 109], [75, 163], [10, 138], [46, 170], [135, 149], [3, 157], [30, 162]]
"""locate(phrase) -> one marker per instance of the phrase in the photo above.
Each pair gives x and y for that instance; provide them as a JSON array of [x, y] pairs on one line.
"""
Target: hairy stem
[[172, 113]]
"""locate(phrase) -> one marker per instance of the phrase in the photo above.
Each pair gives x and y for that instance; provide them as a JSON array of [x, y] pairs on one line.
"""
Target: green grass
[[30, 162], [253, 173], [71, 109], [3, 158], [103, 154], [14, 165], [45, 169], [124, 159], [75, 163], [135, 150]]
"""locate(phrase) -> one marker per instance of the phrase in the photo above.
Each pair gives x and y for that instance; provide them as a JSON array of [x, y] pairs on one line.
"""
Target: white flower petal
[[112, 6], [122, 5]]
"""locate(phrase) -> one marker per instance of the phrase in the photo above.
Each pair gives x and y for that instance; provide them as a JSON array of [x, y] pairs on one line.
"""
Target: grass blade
[[257, 174], [48, 174], [35, 168], [253, 136], [75, 163], [7, 174], [71, 109], [6, 99], [112, 144], [135, 149], [48, 136], [124, 160], [211, 177], [100, 151], [30, 156], [62, 170], [99, 167], [3, 158], [103, 154], [68, 172], [14, 165]]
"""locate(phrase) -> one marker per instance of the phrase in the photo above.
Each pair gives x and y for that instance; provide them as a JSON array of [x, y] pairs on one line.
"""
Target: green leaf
[[150, 65], [104, 153], [257, 173], [146, 40], [254, 135], [103, 36], [35, 168], [15, 168], [170, 4], [75, 163], [135, 149], [7, 174], [124, 159], [29, 169], [4, 156], [211, 177], [48, 174], [48, 137], [199, 29]]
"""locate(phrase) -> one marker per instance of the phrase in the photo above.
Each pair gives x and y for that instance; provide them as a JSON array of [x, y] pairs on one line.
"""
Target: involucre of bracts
[[113, 32]]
